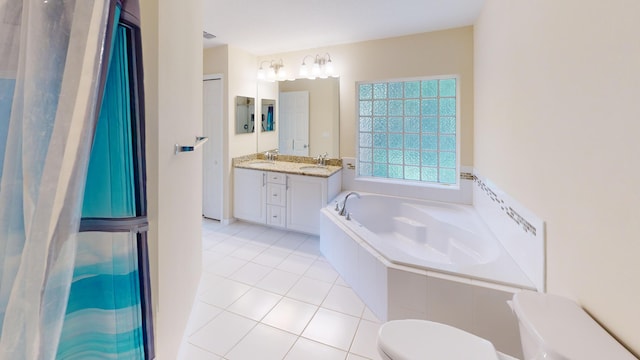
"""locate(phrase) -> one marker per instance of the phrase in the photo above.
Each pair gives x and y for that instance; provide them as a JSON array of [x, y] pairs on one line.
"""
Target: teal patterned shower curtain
[[74, 280]]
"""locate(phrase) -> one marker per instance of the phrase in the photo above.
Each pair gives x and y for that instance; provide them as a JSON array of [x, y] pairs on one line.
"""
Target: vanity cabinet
[[276, 198], [250, 195], [283, 200], [306, 195]]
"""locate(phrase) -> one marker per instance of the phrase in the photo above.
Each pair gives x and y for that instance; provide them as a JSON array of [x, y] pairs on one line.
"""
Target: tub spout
[[343, 211]]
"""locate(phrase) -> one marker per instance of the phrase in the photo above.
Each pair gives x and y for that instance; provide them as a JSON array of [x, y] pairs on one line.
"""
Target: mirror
[[267, 115], [245, 114], [324, 115]]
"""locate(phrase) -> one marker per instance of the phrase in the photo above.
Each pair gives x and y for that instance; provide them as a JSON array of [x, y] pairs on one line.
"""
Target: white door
[[212, 156], [294, 123]]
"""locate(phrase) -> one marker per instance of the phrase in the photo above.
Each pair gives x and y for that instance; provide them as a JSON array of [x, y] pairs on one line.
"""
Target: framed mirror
[[267, 115], [245, 114]]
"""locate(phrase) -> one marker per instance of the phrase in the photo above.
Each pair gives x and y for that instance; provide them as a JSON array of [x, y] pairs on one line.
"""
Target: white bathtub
[[424, 235], [416, 259]]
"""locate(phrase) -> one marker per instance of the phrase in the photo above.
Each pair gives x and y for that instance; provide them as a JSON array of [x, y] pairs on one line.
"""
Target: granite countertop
[[289, 167]]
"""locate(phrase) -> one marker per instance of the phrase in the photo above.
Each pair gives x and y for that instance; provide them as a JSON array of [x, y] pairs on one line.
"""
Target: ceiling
[[263, 27]]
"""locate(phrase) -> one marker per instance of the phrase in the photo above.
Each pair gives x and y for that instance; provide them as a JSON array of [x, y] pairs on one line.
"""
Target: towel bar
[[186, 148]]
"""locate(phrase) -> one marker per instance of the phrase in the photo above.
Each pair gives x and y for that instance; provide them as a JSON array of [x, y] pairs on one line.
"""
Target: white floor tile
[[290, 241], [222, 333], [250, 273], [201, 314], [255, 304], [340, 281], [290, 315], [369, 315], [278, 281], [322, 270], [264, 343], [269, 237], [225, 266], [351, 356], [247, 270], [309, 290], [210, 257], [365, 341], [305, 349], [271, 257], [332, 328], [310, 247], [296, 264], [192, 352], [249, 251], [208, 281], [210, 241], [224, 293], [344, 300], [227, 246], [251, 231]]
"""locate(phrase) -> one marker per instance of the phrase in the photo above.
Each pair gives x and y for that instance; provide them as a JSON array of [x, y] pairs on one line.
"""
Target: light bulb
[[328, 68], [304, 70], [271, 74], [282, 74]]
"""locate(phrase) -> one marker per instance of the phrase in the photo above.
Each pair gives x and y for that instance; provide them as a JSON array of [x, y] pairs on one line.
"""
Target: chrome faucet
[[343, 211], [322, 159], [271, 156]]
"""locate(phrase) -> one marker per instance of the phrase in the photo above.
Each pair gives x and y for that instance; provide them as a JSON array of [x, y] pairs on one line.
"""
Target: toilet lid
[[421, 339]]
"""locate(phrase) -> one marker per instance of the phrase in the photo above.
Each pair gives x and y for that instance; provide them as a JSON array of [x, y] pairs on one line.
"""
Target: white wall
[[172, 52], [556, 127]]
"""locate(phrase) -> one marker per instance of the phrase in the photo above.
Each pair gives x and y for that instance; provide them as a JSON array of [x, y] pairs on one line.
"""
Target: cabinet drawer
[[275, 215], [276, 178], [276, 194]]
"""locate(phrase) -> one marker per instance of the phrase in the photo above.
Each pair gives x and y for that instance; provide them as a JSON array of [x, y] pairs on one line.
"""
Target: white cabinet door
[[249, 195], [306, 195]]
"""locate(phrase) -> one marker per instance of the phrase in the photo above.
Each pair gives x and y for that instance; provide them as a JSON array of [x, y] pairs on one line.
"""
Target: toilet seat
[[422, 339]]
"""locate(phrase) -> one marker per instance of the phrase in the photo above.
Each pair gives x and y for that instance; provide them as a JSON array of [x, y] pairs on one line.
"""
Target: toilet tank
[[556, 328]]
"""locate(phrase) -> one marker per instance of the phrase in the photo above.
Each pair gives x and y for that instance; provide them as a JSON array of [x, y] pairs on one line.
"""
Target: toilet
[[551, 328]]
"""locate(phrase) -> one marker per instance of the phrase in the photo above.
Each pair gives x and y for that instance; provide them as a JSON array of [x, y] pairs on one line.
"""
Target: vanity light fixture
[[321, 67], [275, 72]]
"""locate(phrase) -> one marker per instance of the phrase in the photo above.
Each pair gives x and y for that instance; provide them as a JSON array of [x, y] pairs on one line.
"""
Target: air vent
[[208, 36]]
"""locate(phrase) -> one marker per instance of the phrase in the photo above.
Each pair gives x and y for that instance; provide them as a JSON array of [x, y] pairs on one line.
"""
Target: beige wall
[[172, 51], [557, 109], [446, 52]]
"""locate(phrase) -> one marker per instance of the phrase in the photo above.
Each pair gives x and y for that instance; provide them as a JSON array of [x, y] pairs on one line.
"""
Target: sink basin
[[314, 169], [261, 164]]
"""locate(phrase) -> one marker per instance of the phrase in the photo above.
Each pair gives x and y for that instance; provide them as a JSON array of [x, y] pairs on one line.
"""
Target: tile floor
[[270, 294]]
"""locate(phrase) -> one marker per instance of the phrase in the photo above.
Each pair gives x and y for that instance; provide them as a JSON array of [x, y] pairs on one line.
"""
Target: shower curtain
[[73, 268]]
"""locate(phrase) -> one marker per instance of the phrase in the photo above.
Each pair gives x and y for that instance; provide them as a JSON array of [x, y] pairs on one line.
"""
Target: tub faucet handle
[[337, 206], [348, 216]]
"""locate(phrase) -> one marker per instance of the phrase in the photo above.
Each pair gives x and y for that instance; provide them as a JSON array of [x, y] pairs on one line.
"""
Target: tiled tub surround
[[462, 286], [519, 230], [462, 194]]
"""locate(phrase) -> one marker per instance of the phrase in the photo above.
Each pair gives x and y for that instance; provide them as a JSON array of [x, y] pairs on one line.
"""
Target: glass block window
[[408, 130]]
